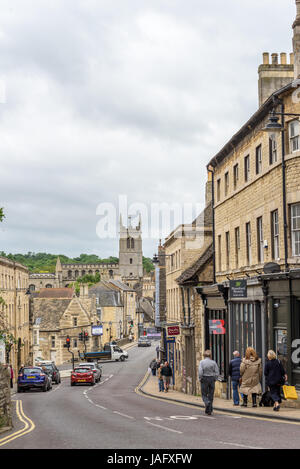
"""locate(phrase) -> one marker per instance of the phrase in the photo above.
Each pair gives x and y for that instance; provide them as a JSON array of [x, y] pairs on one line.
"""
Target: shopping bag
[[290, 392]]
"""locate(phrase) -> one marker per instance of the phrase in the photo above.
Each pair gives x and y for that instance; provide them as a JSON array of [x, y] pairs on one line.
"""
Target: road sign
[[216, 327]]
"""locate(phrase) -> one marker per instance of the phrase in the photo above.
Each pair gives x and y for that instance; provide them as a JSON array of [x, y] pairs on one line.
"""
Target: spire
[[296, 42], [58, 265]]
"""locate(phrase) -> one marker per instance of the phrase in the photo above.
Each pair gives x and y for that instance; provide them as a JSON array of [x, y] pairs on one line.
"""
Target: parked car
[[144, 342], [52, 370], [38, 360], [96, 369], [33, 377], [82, 375]]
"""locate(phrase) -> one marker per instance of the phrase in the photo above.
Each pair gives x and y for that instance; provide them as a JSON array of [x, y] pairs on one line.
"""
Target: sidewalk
[[150, 387]]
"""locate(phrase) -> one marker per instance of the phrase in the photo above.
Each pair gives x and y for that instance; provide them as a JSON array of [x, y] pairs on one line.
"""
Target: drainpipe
[[213, 221]]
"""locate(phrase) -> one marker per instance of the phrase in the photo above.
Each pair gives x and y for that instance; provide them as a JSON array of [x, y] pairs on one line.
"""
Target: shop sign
[[97, 330], [216, 327], [171, 340], [238, 288], [173, 330]]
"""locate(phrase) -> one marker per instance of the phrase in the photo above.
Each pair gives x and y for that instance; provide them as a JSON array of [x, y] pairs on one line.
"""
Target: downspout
[[213, 221]]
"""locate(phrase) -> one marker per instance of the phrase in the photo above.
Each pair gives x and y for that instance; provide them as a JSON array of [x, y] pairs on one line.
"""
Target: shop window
[[217, 342]]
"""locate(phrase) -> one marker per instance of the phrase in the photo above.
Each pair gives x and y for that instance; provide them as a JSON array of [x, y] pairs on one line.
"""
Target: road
[[111, 415]]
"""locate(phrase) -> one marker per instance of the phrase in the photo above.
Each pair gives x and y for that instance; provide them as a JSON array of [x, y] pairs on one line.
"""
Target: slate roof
[[107, 295], [190, 272]]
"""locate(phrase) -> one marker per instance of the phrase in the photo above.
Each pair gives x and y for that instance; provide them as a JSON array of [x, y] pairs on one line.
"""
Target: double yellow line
[[29, 426]]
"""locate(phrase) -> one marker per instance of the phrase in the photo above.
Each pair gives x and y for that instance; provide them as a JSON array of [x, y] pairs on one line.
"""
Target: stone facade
[[5, 398], [15, 310], [56, 314]]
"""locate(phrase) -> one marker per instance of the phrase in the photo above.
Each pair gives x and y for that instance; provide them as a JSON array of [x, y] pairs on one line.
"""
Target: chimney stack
[[296, 42]]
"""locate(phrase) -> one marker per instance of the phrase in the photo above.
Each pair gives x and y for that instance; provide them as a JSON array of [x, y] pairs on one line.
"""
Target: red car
[[82, 375]]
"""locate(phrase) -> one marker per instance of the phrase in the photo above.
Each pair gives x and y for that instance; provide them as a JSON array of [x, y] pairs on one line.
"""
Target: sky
[[109, 106]]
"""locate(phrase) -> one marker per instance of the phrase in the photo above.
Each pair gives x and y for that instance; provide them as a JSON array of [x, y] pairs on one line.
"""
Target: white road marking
[[123, 415], [165, 428], [239, 445], [100, 406]]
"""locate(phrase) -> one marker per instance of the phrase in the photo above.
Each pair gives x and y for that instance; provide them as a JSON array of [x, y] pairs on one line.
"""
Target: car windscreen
[[82, 370], [32, 371]]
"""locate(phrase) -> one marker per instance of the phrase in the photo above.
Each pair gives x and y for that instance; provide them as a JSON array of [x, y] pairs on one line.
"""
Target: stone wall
[[5, 398]]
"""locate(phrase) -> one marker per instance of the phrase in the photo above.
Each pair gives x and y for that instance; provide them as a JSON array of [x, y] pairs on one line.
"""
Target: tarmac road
[[111, 415]]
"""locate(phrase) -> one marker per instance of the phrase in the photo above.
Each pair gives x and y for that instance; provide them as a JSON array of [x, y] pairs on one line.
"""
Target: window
[[237, 245], [258, 159], [275, 234], [294, 135], [226, 183], [220, 252], [260, 240], [53, 341], [295, 225], [227, 249], [235, 175], [75, 322], [247, 168], [272, 149], [75, 343], [248, 243], [130, 261], [218, 190]]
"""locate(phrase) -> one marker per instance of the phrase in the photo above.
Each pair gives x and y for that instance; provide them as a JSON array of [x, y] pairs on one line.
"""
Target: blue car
[[33, 377]]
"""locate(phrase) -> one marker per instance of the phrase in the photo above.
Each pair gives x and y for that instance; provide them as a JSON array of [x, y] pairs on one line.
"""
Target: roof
[[256, 118], [190, 273], [49, 311], [106, 294], [54, 293], [120, 285]]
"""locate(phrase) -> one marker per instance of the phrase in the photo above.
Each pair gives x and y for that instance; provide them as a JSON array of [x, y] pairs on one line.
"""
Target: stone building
[[181, 249], [57, 313], [129, 269], [256, 178], [15, 311]]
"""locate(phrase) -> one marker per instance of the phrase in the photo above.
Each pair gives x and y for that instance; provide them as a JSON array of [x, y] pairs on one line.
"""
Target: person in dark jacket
[[275, 377], [167, 373], [234, 373]]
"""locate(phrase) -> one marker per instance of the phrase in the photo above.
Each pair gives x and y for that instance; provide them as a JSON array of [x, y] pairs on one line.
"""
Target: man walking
[[167, 374], [234, 373], [208, 374]]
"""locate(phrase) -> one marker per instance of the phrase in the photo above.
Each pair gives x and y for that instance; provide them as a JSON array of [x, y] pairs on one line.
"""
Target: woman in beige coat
[[251, 374]]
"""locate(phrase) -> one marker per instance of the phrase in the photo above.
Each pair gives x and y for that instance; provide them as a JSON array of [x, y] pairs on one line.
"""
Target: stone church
[[129, 269]]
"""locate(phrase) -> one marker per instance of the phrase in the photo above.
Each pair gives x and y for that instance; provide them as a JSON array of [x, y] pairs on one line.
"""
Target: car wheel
[[72, 384], [20, 389], [45, 388], [122, 358]]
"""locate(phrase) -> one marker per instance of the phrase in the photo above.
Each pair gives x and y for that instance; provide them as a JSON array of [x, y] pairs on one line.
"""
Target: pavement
[[149, 387]]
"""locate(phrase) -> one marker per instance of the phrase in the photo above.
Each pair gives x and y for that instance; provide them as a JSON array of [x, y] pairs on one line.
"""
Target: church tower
[[130, 251]]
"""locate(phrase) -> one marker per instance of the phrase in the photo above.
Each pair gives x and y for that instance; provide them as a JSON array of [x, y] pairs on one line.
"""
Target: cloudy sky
[[102, 99]]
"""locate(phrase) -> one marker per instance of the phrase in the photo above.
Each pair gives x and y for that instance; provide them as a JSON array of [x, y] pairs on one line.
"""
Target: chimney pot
[[274, 59], [266, 58], [292, 58], [283, 58]]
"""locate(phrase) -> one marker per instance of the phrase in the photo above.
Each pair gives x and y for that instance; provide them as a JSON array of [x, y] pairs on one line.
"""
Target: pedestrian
[[275, 377], [251, 374], [11, 376], [152, 366], [130, 337], [161, 386], [157, 352], [208, 374], [167, 374], [234, 373]]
